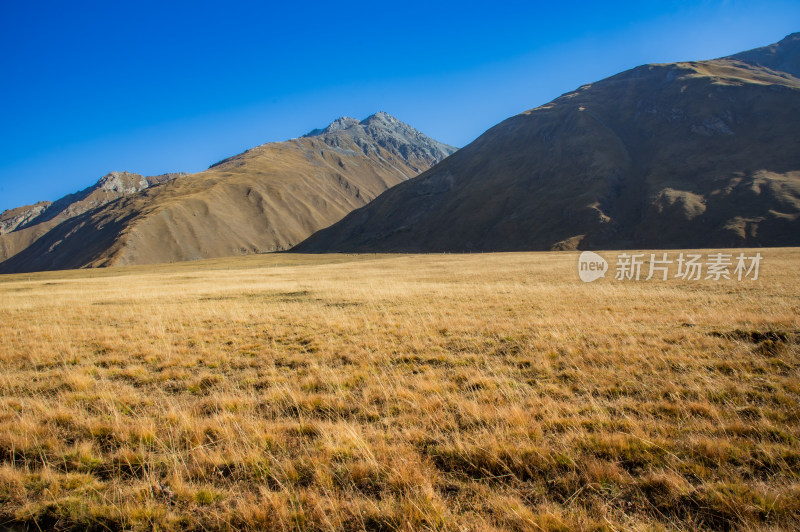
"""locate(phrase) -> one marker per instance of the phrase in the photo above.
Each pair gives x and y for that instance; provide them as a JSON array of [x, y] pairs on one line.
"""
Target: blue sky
[[151, 87]]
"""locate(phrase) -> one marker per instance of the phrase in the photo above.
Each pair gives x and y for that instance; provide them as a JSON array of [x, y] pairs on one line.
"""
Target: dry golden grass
[[470, 392]]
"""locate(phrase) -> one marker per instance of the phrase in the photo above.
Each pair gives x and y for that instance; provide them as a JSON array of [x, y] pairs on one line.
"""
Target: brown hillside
[[694, 154], [266, 199]]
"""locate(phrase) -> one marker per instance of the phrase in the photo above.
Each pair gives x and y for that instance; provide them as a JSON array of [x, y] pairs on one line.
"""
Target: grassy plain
[[375, 392]]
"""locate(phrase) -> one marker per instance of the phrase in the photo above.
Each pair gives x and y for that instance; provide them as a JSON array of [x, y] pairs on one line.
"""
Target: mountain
[[265, 199], [680, 155], [23, 226]]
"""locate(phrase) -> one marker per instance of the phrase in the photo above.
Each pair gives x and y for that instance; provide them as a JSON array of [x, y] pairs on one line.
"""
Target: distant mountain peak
[[340, 124], [122, 182], [386, 131], [379, 119]]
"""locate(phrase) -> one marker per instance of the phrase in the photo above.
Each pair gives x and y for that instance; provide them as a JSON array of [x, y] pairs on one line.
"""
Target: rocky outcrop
[[13, 218], [125, 183]]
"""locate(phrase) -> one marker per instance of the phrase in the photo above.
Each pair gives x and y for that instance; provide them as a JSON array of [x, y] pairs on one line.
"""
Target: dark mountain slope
[[696, 154]]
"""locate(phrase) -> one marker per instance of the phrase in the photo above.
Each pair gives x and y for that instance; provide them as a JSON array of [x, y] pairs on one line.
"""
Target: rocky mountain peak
[[381, 118], [384, 130], [122, 182], [340, 124]]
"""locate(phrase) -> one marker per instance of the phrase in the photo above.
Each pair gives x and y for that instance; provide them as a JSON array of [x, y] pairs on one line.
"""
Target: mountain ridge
[[267, 198], [782, 56], [689, 154]]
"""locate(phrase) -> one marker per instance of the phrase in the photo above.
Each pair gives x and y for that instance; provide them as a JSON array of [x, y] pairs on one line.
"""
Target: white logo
[[591, 266], [690, 266]]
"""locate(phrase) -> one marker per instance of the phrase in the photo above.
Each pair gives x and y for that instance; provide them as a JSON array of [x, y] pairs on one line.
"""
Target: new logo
[[591, 266]]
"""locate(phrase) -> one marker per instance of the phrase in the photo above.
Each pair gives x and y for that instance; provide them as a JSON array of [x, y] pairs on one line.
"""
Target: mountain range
[[680, 155], [268, 198]]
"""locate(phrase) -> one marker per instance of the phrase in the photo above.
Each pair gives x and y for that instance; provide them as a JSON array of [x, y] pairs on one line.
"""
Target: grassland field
[[399, 392]]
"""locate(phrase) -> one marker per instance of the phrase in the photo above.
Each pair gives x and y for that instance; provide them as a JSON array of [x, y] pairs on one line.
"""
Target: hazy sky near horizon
[[89, 87]]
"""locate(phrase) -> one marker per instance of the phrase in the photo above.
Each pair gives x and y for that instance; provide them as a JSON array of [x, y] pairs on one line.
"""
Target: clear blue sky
[[89, 87]]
